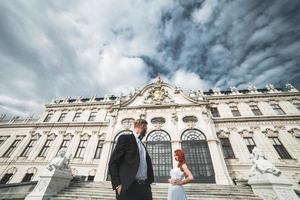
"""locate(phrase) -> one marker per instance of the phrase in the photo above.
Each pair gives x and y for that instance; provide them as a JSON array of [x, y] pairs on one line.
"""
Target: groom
[[130, 166]]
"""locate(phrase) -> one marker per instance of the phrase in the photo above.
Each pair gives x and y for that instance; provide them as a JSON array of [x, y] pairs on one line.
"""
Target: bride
[[179, 176]]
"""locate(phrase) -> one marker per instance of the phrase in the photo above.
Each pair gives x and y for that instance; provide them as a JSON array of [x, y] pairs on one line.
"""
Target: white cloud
[[189, 80]]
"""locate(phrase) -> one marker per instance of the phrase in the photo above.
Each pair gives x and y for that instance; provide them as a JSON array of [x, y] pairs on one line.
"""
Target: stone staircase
[[103, 191]]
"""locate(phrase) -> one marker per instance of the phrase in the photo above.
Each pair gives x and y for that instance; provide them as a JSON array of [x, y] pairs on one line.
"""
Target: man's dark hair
[[140, 122]]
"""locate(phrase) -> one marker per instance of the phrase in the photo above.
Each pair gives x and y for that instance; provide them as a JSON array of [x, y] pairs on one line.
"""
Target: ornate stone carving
[[127, 123], [270, 133], [252, 89], [261, 164], [234, 90], [291, 88], [295, 132], [158, 95], [216, 91], [223, 134], [60, 162], [271, 88], [246, 133]]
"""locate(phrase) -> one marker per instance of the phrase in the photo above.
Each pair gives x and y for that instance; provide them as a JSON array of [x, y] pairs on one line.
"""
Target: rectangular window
[[255, 110], [64, 145], [45, 148], [48, 117], [227, 149], [62, 117], [12, 148], [81, 149], [28, 148], [235, 111], [98, 149], [214, 112], [76, 117], [90, 178], [250, 143], [27, 177], [297, 105], [3, 139], [92, 116], [6, 178], [282, 152], [277, 109]]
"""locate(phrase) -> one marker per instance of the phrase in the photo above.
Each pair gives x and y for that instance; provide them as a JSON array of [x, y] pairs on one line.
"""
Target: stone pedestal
[[50, 183], [271, 187]]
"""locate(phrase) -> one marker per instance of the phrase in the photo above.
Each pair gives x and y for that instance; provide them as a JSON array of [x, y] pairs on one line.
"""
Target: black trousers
[[136, 192]]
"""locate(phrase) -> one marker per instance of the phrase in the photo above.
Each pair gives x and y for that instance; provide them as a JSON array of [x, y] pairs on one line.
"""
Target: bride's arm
[[189, 176]]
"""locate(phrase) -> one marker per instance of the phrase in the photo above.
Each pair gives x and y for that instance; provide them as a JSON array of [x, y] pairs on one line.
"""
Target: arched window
[[160, 150], [198, 156]]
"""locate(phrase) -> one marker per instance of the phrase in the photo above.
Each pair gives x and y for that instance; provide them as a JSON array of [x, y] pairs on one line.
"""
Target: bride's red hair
[[181, 158]]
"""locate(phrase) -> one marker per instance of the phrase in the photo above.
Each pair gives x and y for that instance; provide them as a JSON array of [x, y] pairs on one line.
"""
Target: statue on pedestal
[[261, 164], [60, 162]]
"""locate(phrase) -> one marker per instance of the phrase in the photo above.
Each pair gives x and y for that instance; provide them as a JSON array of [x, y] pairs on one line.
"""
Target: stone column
[[55, 145], [91, 147], [218, 161], [21, 146], [289, 143], [263, 142], [102, 168], [9, 141], [38, 146], [239, 148], [74, 144]]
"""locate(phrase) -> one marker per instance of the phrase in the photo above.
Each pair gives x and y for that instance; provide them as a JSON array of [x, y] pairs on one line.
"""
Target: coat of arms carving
[[158, 95]]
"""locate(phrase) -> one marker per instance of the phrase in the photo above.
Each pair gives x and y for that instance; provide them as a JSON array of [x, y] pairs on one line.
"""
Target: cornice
[[251, 96], [257, 119], [56, 124]]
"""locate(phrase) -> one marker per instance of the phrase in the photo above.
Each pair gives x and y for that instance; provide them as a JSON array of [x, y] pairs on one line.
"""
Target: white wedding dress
[[176, 192]]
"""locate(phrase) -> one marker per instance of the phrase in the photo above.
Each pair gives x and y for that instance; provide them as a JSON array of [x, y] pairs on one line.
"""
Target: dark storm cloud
[[81, 48], [234, 42]]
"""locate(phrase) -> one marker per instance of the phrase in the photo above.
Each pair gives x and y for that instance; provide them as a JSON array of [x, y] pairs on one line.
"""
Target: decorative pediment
[[270, 133], [223, 134], [36, 136], [157, 94], [295, 132], [68, 136], [85, 136], [246, 133]]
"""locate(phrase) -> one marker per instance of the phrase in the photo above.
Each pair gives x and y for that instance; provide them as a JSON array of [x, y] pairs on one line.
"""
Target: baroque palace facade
[[216, 129]]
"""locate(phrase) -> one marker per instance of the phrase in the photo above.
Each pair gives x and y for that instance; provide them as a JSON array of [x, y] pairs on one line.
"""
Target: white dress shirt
[[142, 171]]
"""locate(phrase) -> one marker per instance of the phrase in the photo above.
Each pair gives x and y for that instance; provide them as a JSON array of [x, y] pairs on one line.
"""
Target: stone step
[[101, 193], [190, 197], [166, 186], [237, 192]]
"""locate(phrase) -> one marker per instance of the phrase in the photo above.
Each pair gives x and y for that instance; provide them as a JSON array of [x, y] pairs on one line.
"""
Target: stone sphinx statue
[[261, 164], [60, 162]]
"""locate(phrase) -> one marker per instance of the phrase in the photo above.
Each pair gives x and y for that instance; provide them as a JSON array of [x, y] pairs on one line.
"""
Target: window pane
[[48, 117], [12, 148], [27, 177], [6, 178], [227, 149], [282, 152]]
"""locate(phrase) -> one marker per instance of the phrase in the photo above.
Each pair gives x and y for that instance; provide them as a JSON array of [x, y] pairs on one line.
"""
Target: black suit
[[124, 164]]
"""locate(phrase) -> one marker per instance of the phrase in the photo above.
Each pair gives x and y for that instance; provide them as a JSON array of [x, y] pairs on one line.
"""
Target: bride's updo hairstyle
[[181, 157]]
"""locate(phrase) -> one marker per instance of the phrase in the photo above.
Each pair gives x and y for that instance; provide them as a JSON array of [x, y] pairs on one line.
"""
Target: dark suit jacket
[[124, 162]]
